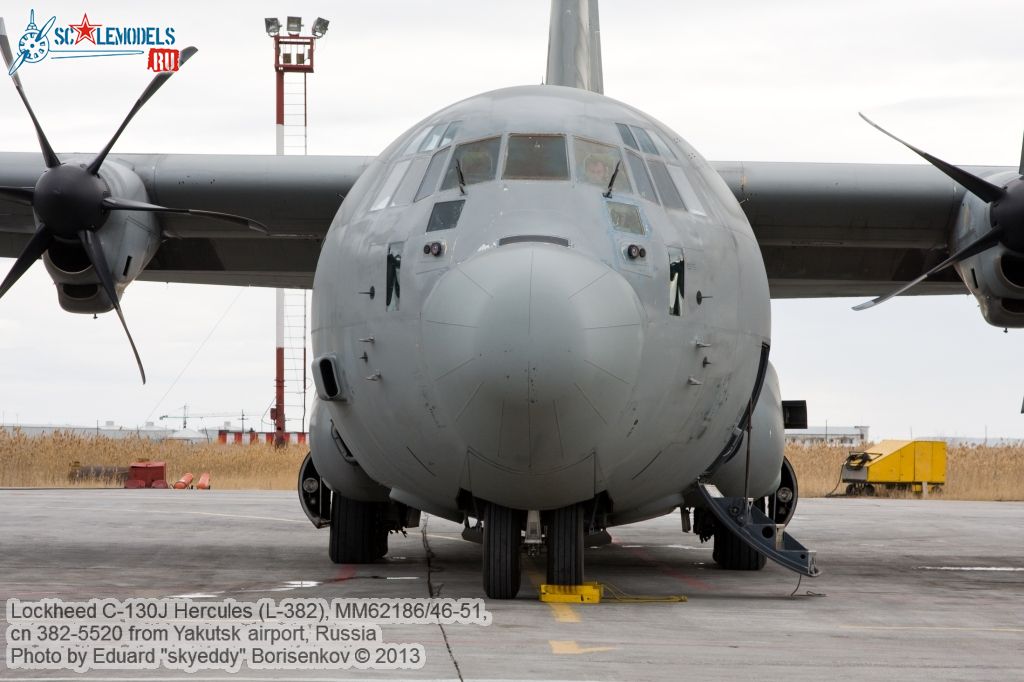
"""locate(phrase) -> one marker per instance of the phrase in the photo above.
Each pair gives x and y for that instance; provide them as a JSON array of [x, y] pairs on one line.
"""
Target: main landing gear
[[358, 532], [748, 532]]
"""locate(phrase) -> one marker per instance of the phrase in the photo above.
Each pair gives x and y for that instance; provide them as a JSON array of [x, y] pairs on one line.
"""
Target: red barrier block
[[147, 472]]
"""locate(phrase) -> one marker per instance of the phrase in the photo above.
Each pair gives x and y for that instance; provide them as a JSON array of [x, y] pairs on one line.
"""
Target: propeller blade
[[983, 189], [154, 85], [35, 248], [46, 27], [21, 195], [115, 204], [99, 262], [986, 241], [1020, 169], [5, 49]]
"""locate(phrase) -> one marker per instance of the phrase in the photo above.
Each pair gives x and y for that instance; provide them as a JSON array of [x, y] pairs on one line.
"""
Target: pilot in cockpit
[[597, 169]]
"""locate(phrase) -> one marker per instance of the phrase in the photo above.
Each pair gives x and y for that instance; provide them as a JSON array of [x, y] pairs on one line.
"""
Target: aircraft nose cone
[[534, 351]]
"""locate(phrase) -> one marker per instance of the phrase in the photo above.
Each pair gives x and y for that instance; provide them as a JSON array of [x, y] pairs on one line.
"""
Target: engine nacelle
[[129, 240], [996, 275], [335, 462], [767, 447]]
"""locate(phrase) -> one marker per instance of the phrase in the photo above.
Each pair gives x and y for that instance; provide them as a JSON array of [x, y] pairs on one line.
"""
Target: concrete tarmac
[[911, 589]]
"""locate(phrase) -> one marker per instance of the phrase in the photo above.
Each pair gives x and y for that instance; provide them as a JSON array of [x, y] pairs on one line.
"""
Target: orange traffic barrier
[[184, 482], [204, 481]]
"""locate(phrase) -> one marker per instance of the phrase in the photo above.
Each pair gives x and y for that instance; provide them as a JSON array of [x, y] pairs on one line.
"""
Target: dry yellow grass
[[46, 461], [974, 473]]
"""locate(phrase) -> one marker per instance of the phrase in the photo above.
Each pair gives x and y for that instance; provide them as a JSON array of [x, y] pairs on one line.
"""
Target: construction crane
[[185, 414]]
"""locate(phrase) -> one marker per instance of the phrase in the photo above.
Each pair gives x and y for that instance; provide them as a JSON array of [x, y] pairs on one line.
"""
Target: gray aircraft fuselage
[[526, 350]]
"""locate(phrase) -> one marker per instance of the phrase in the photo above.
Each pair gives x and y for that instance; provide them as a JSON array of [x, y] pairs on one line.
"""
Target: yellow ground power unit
[[915, 465]]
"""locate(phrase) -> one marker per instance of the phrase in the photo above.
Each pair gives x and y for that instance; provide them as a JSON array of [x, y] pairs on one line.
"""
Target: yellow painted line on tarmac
[[929, 627], [564, 613], [570, 646]]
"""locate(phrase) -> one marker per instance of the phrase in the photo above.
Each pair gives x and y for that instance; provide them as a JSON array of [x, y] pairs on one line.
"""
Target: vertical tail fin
[[574, 45]]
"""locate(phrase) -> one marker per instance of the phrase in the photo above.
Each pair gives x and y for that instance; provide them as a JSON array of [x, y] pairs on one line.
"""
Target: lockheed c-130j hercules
[[539, 312]]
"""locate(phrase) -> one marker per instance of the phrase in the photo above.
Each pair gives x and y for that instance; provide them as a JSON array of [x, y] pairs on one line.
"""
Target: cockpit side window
[[433, 139], [646, 143], [625, 217], [690, 197], [643, 180], [595, 163], [445, 215], [663, 146], [536, 157], [669, 195], [478, 161], [416, 141], [449, 133], [390, 185], [433, 173], [412, 179], [627, 137]]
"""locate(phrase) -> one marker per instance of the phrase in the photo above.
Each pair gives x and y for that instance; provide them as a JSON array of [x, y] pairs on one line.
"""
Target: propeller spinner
[[72, 202]]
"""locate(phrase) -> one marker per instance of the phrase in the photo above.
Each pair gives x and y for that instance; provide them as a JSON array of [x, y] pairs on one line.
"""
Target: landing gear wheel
[[502, 572], [852, 489], [565, 546], [356, 531], [869, 490], [733, 554]]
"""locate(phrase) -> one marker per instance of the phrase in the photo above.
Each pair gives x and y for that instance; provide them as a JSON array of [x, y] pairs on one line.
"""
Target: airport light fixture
[[320, 27], [294, 26], [273, 25]]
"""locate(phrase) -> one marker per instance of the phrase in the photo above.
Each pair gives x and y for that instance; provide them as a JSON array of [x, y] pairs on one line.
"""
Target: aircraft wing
[[824, 229], [296, 197], [849, 229]]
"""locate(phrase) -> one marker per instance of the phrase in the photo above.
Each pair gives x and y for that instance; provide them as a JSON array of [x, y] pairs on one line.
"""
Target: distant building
[[107, 430], [828, 435]]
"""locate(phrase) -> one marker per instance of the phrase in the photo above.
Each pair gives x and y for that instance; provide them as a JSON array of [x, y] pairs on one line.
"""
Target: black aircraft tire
[[565, 546], [502, 572], [382, 542], [733, 554], [355, 531]]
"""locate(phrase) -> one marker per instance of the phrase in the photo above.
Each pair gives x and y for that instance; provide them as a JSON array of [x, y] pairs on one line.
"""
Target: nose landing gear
[[502, 540]]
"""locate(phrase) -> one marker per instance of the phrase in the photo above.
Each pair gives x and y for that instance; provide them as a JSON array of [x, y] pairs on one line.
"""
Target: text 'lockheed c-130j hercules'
[[539, 311]]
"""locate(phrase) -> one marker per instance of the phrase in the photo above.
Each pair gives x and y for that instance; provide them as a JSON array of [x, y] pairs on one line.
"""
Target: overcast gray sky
[[741, 80]]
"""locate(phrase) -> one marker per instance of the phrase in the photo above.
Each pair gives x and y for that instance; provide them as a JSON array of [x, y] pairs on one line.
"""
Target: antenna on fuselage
[[611, 181], [462, 178]]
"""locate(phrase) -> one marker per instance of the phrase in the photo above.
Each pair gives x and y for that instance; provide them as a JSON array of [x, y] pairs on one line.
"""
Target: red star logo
[[85, 30]]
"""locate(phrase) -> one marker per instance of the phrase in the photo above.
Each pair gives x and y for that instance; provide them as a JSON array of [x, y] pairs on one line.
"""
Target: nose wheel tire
[[502, 571], [357, 533], [565, 546]]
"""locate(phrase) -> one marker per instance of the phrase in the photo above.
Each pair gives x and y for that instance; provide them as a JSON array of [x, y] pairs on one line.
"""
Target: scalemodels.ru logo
[[89, 39]]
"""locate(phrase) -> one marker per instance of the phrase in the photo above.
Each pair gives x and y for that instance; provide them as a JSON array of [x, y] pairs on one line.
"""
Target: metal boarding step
[[761, 533]]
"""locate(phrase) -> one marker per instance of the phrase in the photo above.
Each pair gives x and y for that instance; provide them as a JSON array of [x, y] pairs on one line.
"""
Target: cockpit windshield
[[596, 162], [478, 161], [536, 157]]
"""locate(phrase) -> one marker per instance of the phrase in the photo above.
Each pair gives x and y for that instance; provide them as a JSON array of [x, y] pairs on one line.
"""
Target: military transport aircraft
[[539, 312]]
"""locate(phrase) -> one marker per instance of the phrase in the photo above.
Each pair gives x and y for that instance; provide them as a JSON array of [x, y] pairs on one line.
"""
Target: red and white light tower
[[293, 62]]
